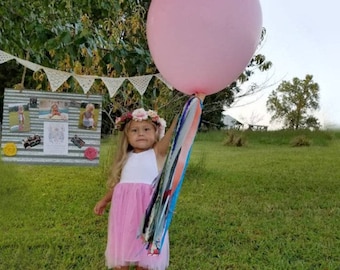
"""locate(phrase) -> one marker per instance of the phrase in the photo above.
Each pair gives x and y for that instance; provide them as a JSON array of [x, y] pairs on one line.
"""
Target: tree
[[294, 103], [104, 39], [84, 37]]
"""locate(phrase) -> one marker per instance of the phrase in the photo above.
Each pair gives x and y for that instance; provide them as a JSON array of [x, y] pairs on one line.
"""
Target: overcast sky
[[302, 38]]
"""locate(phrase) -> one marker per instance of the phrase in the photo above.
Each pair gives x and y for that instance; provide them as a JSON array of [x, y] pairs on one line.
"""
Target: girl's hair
[[89, 106], [121, 155]]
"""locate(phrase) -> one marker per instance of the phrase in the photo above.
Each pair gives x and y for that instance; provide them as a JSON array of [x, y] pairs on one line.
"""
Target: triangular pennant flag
[[56, 77], [85, 81], [141, 83], [112, 84], [4, 57], [159, 76], [28, 64]]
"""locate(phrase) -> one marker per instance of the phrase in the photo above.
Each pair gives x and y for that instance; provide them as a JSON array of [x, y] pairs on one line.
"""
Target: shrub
[[234, 139], [301, 140]]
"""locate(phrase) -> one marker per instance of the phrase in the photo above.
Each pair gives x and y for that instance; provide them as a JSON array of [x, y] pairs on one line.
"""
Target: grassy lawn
[[13, 120], [266, 205]]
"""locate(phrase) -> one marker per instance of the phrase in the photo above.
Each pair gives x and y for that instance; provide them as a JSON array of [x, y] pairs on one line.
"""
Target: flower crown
[[141, 115]]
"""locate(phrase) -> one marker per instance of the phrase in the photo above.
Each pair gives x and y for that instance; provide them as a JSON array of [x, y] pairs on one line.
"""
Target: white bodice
[[140, 168]]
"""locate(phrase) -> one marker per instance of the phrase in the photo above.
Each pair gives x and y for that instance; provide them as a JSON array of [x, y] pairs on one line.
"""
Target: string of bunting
[[56, 77]]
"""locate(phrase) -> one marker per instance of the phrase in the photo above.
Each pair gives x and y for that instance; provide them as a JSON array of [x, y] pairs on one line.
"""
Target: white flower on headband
[[162, 122], [152, 114], [161, 128]]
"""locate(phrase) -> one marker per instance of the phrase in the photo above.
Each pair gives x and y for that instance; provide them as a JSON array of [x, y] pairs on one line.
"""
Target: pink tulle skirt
[[124, 247]]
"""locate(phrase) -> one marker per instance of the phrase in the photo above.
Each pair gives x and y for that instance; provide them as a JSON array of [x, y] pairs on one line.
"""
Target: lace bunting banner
[[28, 64], [112, 84], [141, 83], [4, 57], [160, 77], [57, 77], [85, 82]]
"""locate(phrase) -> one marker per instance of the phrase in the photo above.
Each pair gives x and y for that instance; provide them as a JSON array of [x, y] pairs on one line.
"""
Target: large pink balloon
[[201, 46]]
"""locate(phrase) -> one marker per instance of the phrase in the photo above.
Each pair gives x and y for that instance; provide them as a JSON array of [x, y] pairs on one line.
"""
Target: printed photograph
[[53, 109], [33, 102], [19, 117], [88, 117]]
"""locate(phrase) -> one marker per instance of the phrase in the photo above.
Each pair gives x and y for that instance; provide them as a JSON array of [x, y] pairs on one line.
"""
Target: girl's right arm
[[101, 205], [162, 146]]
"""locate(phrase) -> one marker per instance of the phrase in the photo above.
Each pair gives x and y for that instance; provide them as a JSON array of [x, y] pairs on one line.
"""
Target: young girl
[[21, 117], [56, 114], [54, 111], [88, 116], [140, 158]]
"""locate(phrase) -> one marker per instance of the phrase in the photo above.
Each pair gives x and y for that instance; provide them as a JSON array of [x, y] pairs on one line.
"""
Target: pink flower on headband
[[139, 115]]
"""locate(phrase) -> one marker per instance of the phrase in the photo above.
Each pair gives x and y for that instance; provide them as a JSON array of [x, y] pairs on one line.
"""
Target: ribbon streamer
[[159, 213]]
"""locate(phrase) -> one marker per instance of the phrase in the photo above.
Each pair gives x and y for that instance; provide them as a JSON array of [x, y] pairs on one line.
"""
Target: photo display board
[[51, 128]]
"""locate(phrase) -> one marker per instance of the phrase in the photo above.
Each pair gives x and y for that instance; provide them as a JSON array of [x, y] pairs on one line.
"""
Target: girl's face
[[90, 108], [55, 109], [141, 135]]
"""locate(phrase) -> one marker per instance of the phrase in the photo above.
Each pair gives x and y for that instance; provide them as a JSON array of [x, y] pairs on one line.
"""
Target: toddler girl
[[21, 117], [54, 111], [88, 116], [140, 158]]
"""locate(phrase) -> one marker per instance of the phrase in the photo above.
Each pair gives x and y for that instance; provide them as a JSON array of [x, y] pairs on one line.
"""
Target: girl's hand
[[100, 207]]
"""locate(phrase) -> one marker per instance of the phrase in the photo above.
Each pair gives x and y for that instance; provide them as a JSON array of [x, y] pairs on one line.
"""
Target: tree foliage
[[295, 102], [103, 38]]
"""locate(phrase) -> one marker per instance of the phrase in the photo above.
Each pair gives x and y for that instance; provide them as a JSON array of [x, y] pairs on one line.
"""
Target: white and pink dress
[[131, 197]]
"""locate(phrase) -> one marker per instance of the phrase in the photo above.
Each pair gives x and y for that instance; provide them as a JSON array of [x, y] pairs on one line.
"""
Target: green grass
[[13, 120], [265, 205]]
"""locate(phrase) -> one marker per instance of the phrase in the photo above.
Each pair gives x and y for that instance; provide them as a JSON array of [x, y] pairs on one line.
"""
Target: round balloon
[[201, 46]]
